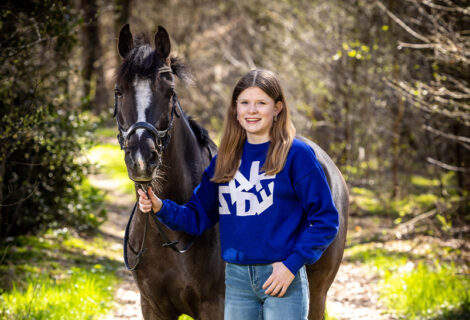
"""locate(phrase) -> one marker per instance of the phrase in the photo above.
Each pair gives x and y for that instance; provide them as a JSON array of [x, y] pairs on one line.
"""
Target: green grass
[[106, 132], [424, 292], [327, 316], [82, 294], [417, 285], [365, 200], [57, 276], [380, 258], [110, 161]]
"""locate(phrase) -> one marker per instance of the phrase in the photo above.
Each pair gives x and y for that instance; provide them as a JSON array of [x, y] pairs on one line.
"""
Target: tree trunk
[[3, 219], [460, 162], [94, 86], [398, 114]]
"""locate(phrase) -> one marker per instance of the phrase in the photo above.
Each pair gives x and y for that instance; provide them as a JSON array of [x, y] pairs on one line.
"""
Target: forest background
[[382, 86]]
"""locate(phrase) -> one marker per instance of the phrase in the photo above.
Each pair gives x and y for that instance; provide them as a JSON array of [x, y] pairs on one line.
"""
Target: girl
[[272, 201]]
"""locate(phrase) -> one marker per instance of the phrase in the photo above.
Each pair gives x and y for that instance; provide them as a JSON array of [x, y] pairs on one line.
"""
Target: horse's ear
[[125, 41], [162, 43]]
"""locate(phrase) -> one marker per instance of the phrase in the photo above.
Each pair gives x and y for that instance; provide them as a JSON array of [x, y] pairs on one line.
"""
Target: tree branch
[[446, 166], [401, 23], [446, 135], [402, 45], [398, 230], [444, 8], [21, 200]]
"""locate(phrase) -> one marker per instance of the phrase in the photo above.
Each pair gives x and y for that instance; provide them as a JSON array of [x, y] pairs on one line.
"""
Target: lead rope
[[126, 241], [167, 242]]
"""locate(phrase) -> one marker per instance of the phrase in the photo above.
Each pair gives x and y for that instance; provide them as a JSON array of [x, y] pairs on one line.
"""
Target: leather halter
[[161, 137]]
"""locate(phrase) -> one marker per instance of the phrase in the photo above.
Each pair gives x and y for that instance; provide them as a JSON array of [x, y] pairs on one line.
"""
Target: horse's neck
[[181, 161]]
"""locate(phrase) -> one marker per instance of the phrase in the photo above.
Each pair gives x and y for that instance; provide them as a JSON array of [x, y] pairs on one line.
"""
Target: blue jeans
[[245, 298]]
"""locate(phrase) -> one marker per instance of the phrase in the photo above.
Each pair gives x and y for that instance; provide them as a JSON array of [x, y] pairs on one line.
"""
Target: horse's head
[[144, 106]]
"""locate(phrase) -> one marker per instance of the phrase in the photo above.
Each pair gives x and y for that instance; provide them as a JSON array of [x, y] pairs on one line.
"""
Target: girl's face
[[255, 113]]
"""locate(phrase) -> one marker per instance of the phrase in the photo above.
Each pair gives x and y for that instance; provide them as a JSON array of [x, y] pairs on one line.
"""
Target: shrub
[[41, 134]]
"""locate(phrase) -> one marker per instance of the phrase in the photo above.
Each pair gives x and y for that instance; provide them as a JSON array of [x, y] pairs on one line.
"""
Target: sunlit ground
[[58, 276], [109, 161]]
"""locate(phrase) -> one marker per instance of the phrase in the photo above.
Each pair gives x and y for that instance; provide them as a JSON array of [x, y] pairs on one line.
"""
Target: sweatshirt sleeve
[[197, 215], [322, 216]]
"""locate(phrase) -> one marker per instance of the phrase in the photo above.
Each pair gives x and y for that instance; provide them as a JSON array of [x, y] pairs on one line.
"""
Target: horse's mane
[[201, 134], [142, 61], [181, 70]]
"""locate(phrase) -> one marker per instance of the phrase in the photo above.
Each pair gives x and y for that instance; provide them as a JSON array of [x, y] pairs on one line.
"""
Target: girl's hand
[[279, 281], [145, 204]]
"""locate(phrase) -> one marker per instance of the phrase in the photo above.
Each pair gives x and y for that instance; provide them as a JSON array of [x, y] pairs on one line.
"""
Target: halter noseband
[[161, 137]]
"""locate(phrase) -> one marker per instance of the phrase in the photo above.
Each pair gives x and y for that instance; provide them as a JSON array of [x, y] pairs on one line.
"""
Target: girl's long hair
[[282, 131]]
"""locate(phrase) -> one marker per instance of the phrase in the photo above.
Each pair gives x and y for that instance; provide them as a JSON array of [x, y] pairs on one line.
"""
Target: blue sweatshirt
[[288, 217]]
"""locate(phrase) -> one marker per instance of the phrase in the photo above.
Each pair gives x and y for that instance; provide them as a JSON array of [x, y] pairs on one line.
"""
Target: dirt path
[[127, 298], [353, 295]]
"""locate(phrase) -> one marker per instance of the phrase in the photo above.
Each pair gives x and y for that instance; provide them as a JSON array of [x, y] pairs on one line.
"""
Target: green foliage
[[42, 135], [424, 292], [49, 186], [417, 283], [354, 49], [421, 181], [327, 316], [365, 200]]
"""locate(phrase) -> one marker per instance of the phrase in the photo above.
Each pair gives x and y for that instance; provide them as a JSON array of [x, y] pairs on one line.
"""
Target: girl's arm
[[197, 215], [322, 216]]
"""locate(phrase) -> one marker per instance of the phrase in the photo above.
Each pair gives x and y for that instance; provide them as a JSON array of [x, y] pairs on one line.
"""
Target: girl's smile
[[255, 113]]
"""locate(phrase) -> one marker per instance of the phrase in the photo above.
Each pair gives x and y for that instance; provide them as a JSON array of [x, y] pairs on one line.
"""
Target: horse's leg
[[317, 305], [319, 282], [150, 313]]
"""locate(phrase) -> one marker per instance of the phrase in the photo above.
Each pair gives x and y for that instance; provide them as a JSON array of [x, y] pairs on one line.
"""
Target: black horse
[[169, 151]]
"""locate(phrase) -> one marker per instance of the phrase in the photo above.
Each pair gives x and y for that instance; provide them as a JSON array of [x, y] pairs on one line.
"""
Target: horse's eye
[[118, 93]]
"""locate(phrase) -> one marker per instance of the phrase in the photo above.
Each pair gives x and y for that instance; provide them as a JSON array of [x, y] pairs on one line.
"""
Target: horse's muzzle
[[142, 166]]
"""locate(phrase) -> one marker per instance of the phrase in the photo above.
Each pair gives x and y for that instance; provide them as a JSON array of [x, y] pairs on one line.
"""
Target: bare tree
[[438, 30]]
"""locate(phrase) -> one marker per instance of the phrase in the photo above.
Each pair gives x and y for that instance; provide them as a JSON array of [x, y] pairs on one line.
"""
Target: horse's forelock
[[141, 61], [141, 39]]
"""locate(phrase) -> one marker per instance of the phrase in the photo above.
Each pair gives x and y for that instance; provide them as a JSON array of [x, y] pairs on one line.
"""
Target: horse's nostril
[[153, 160]]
